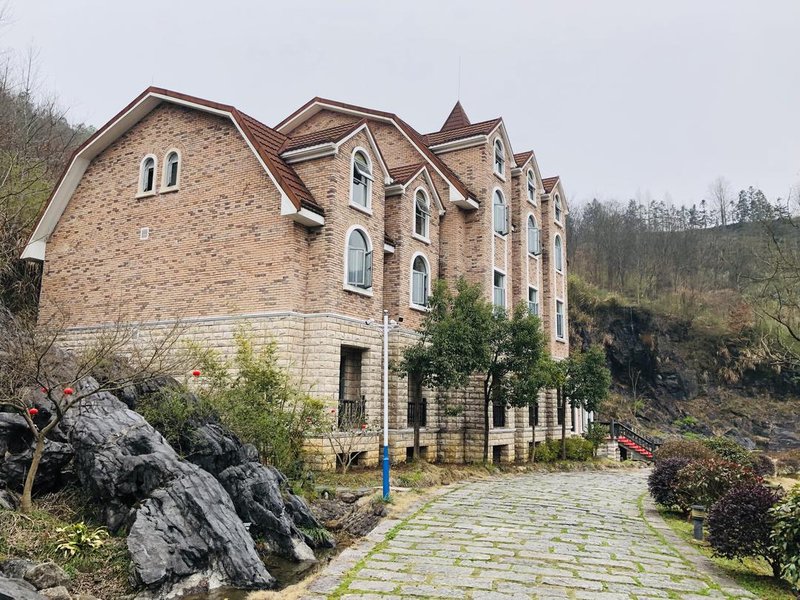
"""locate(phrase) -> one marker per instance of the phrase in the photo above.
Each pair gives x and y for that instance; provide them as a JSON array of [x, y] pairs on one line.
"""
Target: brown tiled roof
[[523, 157], [334, 134], [412, 133], [549, 183], [404, 174], [441, 137], [457, 118]]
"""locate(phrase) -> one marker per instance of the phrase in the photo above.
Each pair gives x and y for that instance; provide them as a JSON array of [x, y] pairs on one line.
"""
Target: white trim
[[309, 153], [388, 248], [419, 236], [557, 202], [368, 208], [459, 144], [345, 283], [503, 154], [560, 338], [411, 302], [495, 269], [527, 234], [140, 191], [528, 173], [164, 175], [144, 234], [387, 179], [557, 237], [505, 203]]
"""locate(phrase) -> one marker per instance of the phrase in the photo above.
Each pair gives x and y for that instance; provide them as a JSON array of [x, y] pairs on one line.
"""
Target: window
[[359, 260], [558, 208], [362, 180], [531, 186], [533, 414], [498, 413], [559, 254], [559, 319], [171, 169], [499, 157], [533, 301], [534, 240], [419, 282], [500, 213], [147, 181], [422, 214], [499, 290]]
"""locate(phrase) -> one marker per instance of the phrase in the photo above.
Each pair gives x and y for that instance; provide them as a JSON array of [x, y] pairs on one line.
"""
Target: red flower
[[68, 391], [363, 426], [43, 390], [196, 373], [33, 411]]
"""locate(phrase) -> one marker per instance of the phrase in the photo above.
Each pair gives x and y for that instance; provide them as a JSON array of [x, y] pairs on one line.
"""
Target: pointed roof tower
[[458, 118]]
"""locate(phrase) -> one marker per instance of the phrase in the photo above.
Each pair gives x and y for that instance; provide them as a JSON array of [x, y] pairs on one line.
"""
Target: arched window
[[422, 214], [171, 170], [499, 157], [531, 186], [500, 211], [559, 254], [534, 243], [419, 282], [359, 260], [362, 180], [558, 208], [147, 177]]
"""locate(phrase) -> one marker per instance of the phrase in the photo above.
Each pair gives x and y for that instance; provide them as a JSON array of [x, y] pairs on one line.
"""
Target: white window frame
[[558, 210], [532, 217], [412, 304], [502, 171], [369, 176], [558, 253], [531, 177], [495, 192], [364, 291], [165, 174], [425, 236], [140, 191], [504, 289], [563, 315], [531, 304]]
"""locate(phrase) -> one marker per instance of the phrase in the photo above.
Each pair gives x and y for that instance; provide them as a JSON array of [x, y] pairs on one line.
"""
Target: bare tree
[[721, 198], [34, 370]]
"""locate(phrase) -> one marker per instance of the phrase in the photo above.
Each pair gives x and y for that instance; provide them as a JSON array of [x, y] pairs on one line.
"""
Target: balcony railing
[[498, 414], [352, 413], [423, 413]]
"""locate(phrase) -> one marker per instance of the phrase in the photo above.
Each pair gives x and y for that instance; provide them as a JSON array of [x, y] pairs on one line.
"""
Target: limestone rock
[[52, 471], [56, 593], [46, 575], [17, 589], [8, 500], [15, 568]]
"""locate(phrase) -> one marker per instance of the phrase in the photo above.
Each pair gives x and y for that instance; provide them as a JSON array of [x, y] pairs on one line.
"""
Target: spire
[[458, 118]]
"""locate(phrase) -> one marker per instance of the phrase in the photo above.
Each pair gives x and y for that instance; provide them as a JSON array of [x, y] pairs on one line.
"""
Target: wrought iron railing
[[617, 430], [352, 413], [423, 412], [498, 414]]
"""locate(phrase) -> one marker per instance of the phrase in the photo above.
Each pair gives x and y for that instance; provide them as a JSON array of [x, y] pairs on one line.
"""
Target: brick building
[[185, 209]]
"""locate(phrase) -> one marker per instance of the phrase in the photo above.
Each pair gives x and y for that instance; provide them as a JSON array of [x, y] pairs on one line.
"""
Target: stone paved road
[[537, 536]]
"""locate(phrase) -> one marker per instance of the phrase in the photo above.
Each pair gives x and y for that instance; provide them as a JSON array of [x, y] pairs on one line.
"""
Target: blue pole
[[386, 472], [385, 404]]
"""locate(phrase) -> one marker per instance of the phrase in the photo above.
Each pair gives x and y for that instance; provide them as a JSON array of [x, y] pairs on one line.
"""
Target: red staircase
[[631, 440], [631, 445]]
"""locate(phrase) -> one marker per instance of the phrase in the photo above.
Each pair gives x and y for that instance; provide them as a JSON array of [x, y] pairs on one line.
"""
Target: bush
[[548, 451], [763, 465], [80, 540], [596, 434], [175, 413], [729, 450], [740, 524], [663, 478], [706, 481], [786, 536], [579, 448], [788, 463], [683, 448]]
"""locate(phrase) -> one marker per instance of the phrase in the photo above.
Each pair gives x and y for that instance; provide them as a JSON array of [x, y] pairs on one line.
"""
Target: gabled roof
[[522, 158], [265, 142], [457, 118], [549, 183], [325, 136], [404, 174], [442, 137], [458, 191]]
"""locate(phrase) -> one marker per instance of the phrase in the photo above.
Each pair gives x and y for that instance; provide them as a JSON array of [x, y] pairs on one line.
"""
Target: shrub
[[548, 451], [683, 448], [763, 465], [729, 450], [663, 478], [175, 413], [706, 481], [740, 524], [786, 536], [789, 463], [596, 434], [579, 448]]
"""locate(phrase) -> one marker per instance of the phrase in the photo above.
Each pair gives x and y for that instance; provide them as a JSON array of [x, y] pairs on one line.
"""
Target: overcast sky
[[619, 97]]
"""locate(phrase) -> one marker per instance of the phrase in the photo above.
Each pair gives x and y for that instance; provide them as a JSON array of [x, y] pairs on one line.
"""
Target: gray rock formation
[[52, 473], [17, 589], [46, 575]]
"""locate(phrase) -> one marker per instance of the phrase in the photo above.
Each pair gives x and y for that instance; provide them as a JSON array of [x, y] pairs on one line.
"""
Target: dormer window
[[531, 186], [422, 214], [534, 239], [499, 157], [557, 208], [362, 180], [147, 176], [171, 170], [500, 213]]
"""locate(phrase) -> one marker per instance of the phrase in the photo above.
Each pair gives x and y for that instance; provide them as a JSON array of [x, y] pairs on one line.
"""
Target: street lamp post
[[385, 404]]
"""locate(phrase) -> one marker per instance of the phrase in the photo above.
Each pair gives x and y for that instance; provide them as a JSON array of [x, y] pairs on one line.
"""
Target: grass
[[102, 573], [753, 574]]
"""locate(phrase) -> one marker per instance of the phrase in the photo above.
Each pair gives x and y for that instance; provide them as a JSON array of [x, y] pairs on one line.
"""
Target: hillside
[[675, 375]]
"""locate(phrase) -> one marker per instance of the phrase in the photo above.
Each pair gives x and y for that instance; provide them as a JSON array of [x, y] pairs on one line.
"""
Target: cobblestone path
[[536, 536]]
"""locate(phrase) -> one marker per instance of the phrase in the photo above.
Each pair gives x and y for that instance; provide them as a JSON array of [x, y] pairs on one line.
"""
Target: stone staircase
[[632, 444]]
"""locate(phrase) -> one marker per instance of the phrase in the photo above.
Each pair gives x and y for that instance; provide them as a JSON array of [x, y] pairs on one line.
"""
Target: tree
[[42, 383], [720, 192], [581, 381]]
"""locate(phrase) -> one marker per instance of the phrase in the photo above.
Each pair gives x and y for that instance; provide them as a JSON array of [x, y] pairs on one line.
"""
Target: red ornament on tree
[[33, 411], [68, 391], [43, 390], [196, 373]]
